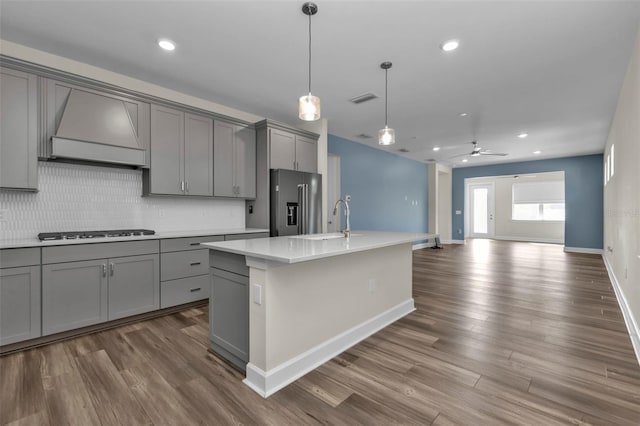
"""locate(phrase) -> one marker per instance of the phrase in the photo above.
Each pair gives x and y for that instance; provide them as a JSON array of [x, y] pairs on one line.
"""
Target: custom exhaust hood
[[98, 128]]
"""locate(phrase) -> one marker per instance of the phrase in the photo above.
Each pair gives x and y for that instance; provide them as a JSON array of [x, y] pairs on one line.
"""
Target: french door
[[481, 210]]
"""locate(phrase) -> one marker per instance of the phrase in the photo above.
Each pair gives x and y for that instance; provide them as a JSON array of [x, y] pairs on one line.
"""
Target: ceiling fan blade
[[492, 153], [459, 155]]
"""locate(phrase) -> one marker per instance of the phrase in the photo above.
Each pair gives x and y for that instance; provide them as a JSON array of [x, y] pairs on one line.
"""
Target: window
[[538, 201], [612, 159]]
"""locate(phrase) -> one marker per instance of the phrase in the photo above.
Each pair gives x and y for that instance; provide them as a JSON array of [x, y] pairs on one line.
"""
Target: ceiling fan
[[477, 151]]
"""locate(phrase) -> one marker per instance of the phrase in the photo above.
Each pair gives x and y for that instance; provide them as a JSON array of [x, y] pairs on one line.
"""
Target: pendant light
[[309, 105], [386, 136]]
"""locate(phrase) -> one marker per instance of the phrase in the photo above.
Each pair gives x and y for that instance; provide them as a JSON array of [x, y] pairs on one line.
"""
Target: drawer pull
[[193, 290], [195, 263], [194, 244]]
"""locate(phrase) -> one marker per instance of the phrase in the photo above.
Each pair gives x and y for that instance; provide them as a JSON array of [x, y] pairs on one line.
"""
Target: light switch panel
[[458, 211], [257, 294]]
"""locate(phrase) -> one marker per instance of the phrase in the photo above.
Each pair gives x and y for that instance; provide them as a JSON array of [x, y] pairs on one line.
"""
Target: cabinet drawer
[[76, 252], [185, 290], [11, 258], [181, 264], [190, 243], [230, 262], [232, 237]]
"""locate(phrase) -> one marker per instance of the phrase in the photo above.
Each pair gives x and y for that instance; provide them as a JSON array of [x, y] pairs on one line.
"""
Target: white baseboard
[[629, 320], [453, 242], [583, 250], [267, 383], [529, 239], [424, 245]]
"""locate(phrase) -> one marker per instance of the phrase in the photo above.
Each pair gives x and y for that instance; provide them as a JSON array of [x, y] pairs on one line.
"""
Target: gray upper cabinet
[[19, 130], [84, 123], [292, 152], [181, 154], [198, 155], [306, 154], [234, 161], [283, 150]]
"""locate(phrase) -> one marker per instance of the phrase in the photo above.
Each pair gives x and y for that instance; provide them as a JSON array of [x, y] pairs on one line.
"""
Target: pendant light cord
[[386, 96], [309, 53]]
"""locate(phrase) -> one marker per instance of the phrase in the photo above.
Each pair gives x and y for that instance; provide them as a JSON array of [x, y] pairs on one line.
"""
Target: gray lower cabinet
[[133, 285], [19, 304], [181, 154], [18, 130], [86, 284], [74, 295], [184, 270], [229, 307], [234, 156]]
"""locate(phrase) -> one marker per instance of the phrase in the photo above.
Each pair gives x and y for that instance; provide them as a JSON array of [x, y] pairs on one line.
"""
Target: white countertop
[[295, 249], [34, 242]]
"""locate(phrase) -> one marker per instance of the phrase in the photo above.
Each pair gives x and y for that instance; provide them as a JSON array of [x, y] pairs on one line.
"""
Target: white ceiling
[[552, 69]]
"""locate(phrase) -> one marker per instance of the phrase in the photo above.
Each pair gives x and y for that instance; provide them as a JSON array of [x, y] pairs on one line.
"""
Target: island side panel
[[307, 304]]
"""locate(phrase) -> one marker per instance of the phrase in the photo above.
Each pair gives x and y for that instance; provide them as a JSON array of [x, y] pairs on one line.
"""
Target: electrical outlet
[[161, 213], [458, 212]]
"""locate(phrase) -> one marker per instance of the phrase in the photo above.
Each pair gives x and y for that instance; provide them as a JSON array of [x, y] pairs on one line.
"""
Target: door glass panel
[[480, 209]]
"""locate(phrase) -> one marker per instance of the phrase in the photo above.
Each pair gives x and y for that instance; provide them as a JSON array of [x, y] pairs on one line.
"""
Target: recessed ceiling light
[[166, 44], [436, 148], [464, 160], [463, 114], [450, 45], [523, 135], [537, 152]]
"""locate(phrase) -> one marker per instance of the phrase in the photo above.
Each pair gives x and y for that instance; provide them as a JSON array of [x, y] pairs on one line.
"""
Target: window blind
[[538, 192]]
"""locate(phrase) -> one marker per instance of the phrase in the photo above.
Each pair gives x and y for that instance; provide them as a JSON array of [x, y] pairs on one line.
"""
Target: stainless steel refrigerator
[[296, 202]]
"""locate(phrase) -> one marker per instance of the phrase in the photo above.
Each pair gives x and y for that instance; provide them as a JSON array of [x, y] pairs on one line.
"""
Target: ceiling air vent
[[403, 150], [363, 98], [364, 136]]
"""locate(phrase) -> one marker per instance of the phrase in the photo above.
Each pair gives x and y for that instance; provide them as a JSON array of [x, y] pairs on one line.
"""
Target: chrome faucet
[[346, 231]]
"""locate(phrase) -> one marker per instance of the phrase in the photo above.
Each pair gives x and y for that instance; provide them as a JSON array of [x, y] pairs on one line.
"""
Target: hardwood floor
[[504, 333]]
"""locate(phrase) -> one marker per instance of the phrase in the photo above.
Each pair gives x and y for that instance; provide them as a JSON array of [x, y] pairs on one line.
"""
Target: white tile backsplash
[[75, 197]]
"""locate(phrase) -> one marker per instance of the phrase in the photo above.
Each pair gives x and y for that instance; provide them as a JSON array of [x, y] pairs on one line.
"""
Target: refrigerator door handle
[[303, 209]]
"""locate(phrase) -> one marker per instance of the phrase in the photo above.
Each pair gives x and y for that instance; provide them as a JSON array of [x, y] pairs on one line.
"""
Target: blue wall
[[583, 194], [388, 192]]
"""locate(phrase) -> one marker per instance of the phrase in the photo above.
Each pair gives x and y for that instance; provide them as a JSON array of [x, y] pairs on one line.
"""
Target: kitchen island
[[311, 297]]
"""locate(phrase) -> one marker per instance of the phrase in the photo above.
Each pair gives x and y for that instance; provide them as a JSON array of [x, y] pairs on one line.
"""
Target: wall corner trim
[[629, 320], [583, 250], [266, 383]]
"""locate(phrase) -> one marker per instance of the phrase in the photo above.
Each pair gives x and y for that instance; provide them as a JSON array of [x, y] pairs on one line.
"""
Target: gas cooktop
[[47, 236]]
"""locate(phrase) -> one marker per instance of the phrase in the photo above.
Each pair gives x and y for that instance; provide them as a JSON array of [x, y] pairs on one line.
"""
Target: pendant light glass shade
[[386, 136], [309, 105], [309, 108]]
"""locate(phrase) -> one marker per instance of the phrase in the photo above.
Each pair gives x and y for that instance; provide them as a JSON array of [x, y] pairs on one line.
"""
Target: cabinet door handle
[[195, 263], [194, 244], [187, 185], [193, 290], [104, 270], [111, 269], [182, 185]]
